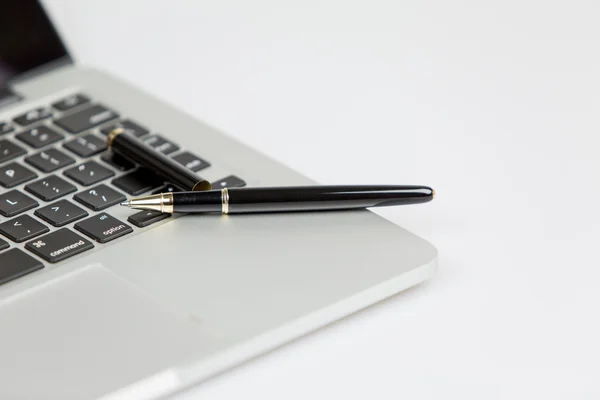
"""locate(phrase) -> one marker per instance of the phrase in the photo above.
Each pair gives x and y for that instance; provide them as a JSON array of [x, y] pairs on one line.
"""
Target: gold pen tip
[[125, 203]]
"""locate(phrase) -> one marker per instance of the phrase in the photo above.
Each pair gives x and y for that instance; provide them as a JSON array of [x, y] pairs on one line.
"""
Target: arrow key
[[61, 213], [22, 228], [147, 217]]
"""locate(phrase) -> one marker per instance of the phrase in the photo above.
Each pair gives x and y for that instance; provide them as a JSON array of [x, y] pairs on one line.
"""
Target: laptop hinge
[[7, 96]]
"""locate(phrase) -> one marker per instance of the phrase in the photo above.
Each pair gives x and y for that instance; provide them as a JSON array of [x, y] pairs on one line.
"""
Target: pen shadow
[[298, 222]]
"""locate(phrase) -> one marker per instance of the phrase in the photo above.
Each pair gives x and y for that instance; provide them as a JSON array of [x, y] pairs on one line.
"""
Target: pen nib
[[125, 203]]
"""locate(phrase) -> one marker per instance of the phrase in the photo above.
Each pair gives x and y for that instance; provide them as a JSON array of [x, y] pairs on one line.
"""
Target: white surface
[[495, 106]]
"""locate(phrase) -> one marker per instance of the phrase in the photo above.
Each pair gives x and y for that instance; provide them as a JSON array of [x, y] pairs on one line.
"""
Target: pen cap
[[130, 147]]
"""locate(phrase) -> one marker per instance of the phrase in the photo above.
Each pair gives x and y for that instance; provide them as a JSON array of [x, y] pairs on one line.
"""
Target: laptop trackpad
[[89, 333]]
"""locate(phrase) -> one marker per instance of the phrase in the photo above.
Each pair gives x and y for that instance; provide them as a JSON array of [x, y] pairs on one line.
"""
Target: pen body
[[299, 198]]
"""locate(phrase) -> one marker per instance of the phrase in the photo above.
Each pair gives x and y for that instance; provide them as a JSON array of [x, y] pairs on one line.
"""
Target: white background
[[494, 104]]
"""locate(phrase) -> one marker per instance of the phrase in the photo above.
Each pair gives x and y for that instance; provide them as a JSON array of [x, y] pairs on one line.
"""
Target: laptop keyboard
[[54, 161]]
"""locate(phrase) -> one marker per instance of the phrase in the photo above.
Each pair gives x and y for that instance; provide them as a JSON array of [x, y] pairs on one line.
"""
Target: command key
[[58, 245]]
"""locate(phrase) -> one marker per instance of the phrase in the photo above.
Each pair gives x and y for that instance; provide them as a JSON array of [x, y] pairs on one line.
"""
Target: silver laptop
[[98, 301]]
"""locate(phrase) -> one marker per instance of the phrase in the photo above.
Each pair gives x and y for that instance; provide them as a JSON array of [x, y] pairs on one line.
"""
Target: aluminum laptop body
[[145, 309]]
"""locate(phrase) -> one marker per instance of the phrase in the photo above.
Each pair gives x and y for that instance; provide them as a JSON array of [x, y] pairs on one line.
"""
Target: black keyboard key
[[33, 116], [9, 150], [22, 228], [117, 161], [15, 263], [4, 245], [87, 145], [15, 202], [58, 245], [14, 174], [147, 217], [5, 127], [39, 136], [88, 173], [61, 213], [50, 188], [169, 188], [71, 102], [161, 144], [228, 182], [137, 182], [129, 127], [190, 161], [86, 119], [99, 197], [103, 227], [49, 160]]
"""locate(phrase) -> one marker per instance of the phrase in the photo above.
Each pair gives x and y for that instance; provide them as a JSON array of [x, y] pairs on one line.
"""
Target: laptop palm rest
[[89, 333]]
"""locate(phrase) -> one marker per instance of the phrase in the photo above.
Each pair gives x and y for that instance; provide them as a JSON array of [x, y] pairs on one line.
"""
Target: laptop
[[100, 301]]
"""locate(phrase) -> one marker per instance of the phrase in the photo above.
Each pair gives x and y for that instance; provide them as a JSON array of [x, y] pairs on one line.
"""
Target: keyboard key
[[169, 188], [39, 136], [103, 227], [50, 188], [117, 161], [228, 182], [33, 116], [86, 146], [99, 197], [49, 160], [161, 144], [59, 245], [88, 173], [147, 217], [15, 202], [22, 228], [70, 102], [9, 150], [61, 213], [137, 182], [4, 245], [191, 161], [15, 263], [5, 127], [129, 127], [86, 119], [14, 174]]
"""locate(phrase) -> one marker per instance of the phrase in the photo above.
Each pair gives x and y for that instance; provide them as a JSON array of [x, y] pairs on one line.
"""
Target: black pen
[[133, 149], [282, 199]]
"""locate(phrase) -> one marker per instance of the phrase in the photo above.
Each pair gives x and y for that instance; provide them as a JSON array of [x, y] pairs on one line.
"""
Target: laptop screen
[[27, 38]]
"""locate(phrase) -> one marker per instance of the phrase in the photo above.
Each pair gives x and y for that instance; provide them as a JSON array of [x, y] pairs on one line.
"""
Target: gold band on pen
[[166, 203], [224, 201], [112, 135]]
